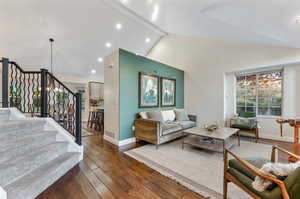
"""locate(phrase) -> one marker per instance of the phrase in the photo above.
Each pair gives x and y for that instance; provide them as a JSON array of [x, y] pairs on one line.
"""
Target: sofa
[[161, 126]]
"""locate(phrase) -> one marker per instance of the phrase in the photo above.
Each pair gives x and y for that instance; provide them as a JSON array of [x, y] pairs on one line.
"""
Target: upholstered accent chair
[[242, 172], [247, 123]]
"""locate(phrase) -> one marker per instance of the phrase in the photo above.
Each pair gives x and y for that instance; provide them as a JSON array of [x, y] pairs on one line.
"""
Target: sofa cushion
[[181, 115], [144, 115], [168, 115], [170, 127], [186, 124], [155, 115]]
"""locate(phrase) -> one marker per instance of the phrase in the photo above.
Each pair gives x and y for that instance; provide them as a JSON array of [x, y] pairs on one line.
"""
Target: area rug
[[198, 170]]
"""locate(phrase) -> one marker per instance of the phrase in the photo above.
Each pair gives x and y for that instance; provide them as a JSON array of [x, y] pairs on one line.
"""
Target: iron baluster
[[78, 118], [5, 71]]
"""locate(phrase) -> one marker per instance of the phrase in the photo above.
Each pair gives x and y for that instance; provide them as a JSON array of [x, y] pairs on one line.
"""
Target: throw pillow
[[277, 170], [155, 115], [168, 115], [144, 115], [181, 115]]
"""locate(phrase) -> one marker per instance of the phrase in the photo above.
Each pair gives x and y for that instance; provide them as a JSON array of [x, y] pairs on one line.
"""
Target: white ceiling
[[261, 21], [80, 29]]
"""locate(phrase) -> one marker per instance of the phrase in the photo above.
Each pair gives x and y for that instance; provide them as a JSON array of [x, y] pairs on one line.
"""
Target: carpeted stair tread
[[20, 125], [15, 168], [22, 151], [35, 182], [17, 136], [4, 115], [40, 138]]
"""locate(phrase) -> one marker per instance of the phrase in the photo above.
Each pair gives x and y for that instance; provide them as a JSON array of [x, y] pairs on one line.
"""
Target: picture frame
[[96, 93], [168, 92], [148, 90]]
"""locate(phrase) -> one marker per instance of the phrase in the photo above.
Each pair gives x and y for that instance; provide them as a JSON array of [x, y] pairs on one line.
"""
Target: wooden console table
[[296, 125]]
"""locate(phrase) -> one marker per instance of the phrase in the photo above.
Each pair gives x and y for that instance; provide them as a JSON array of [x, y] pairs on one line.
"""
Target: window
[[260, 93]]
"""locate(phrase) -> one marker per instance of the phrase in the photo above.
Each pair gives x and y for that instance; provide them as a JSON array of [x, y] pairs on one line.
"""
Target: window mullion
[[257, 94], [245, 90]]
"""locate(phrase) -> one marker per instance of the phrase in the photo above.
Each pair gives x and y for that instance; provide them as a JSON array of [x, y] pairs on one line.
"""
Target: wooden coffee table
[[216, 140]]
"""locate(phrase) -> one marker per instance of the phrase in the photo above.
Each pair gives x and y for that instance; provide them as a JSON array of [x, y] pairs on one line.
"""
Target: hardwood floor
[[107, 173]]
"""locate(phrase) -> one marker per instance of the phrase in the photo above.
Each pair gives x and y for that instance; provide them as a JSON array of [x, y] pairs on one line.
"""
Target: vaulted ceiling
[[262, 21], [81, 29]]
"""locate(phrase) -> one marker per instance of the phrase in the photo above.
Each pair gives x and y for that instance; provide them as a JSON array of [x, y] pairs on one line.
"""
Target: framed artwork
[[96, 93], [148, 90], [168, 92]]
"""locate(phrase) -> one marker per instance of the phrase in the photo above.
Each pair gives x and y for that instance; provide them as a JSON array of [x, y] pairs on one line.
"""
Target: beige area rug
[[198, 170]]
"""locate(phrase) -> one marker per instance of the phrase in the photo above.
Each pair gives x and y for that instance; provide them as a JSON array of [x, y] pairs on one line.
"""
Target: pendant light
[[51, 84]]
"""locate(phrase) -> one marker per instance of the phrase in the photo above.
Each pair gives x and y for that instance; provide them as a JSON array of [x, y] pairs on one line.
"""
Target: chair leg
[[225, 188], [256, 135]]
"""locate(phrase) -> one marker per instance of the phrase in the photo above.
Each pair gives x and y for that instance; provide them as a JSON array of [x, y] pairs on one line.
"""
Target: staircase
[[34, 154], [40, 131]]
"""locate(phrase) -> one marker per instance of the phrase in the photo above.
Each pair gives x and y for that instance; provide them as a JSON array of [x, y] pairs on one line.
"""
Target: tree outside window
[[260, 93]]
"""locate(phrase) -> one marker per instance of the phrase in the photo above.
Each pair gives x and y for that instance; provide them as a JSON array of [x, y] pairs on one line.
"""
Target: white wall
[[207, 60], [111, 98]]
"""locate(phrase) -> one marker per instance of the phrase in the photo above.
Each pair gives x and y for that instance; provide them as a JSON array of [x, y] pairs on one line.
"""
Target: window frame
[[257, 90]]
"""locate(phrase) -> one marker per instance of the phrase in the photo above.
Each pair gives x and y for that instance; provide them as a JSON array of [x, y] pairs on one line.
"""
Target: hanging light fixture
[[51, 84]]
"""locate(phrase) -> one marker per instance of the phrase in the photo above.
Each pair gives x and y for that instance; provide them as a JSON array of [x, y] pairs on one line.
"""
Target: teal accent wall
[[130, 66]]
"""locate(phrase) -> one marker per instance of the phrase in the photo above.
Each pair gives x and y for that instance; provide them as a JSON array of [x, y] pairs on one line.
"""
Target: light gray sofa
[[158, 127]]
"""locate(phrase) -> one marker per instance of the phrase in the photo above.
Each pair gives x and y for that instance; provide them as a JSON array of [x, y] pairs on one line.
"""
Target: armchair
[[243, 172], [247, 123]]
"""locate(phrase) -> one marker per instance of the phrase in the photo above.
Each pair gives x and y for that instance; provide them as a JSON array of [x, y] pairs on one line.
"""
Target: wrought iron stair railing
[[41, 94]]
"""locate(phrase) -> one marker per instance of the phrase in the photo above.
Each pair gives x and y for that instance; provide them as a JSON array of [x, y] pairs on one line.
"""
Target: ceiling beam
[[117, 5]]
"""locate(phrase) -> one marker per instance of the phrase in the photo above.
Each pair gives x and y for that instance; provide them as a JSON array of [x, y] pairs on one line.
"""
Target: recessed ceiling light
[[147, 40], [93, 71], [100, 59], [124, 1], [298, 19], [108, 45], [155, 12], [119, 26]]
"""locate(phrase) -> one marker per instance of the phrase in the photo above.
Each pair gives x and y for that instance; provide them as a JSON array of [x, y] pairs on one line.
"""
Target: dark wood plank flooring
[[107, 173]]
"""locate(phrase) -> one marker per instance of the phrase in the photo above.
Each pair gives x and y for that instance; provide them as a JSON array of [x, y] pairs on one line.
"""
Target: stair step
[[4, 111], [15, 136], [22, 151], [35, 182], [15, 168], [4, 115], [20, 126], [39, 139]]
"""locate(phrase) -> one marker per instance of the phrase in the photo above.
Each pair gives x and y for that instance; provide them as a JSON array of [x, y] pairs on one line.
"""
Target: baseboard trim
[[3, 194], [110, 139], [119, 143], [281, 139], [127, 141]]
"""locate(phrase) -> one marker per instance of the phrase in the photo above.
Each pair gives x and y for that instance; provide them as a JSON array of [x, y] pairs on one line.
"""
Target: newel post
[[78, 118], [5, 65], [44, 92]]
